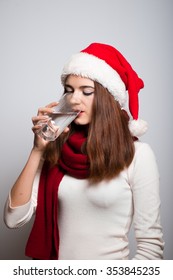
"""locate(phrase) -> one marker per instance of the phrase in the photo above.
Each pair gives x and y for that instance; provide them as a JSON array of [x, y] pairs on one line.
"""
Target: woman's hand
[[42, 116]]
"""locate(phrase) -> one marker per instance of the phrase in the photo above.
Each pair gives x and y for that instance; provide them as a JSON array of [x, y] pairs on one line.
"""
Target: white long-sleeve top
[[94, 220]]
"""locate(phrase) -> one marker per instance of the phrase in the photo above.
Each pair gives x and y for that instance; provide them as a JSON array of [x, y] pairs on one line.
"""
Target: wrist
[[37, 151]]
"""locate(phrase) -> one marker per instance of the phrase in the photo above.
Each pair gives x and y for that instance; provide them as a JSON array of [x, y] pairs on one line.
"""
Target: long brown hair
[[109, 145]]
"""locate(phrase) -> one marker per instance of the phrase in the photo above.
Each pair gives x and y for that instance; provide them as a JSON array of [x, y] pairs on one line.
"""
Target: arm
[[22, 200], [15, 217], [146, 199], [22, 189]]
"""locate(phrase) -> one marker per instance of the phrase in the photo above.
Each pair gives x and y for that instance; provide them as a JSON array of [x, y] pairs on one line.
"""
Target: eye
[[68, 89], [88, 91]]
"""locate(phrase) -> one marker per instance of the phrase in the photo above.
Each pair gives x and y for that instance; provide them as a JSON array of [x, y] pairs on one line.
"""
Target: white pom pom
[[138, 127]]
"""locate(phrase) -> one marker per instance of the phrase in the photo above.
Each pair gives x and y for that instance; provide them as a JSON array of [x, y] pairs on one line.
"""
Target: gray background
[[37, 37]]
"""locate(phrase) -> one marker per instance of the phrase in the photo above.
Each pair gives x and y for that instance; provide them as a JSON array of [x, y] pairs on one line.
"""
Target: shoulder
[[141, 146], [143, 151], [144, 163]]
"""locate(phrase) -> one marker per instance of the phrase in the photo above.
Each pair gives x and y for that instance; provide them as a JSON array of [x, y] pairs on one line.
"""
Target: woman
[[88, 186]]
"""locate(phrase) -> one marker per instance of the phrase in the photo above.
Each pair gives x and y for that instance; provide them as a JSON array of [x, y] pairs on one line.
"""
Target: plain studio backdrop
[[37, 37]]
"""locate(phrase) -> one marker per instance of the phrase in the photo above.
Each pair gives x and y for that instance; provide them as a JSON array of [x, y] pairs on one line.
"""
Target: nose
[[75, 98]]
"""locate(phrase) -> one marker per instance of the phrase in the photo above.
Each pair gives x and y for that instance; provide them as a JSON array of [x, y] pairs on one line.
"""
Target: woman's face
[[81, 96]]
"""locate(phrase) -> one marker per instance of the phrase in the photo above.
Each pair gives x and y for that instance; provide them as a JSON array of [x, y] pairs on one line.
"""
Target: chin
[[81, 121]]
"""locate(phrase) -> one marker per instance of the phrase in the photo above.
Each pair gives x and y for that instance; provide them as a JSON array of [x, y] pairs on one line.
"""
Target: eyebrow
[[82, 87]]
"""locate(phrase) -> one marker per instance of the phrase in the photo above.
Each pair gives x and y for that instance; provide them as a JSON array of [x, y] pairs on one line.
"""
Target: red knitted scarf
[[43, 242]]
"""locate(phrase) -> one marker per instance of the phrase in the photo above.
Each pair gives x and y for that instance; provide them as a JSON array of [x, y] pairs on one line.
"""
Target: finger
[[36, 128], [48, 109], [44, 111], [37, 119], [66, 130], [52, 104]]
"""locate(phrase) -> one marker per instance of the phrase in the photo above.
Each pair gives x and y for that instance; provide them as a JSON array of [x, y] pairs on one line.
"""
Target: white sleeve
[[146, 199], [15, 217]]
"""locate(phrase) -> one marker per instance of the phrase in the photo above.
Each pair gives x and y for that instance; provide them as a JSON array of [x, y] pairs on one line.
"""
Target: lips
[[78, 110], [80, 114]]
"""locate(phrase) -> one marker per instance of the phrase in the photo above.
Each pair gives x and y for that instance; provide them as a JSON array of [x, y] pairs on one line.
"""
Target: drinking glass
[[58, 120]]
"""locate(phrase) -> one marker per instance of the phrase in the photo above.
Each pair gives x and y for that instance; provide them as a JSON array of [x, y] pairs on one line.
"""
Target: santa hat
[[106, 65]]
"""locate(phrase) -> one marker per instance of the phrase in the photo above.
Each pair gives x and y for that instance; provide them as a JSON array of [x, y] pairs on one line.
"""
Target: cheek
[[90, 104], [85, 117]]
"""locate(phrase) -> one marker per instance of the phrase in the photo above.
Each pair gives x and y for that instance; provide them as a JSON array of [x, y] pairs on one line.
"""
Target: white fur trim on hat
[[138, 127], [89, 66]]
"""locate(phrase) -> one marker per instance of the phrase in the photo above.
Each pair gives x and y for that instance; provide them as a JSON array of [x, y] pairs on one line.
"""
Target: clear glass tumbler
[[61, 117]]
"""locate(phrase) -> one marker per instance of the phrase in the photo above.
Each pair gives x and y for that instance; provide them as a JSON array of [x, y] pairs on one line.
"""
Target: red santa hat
[[106, 65]]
